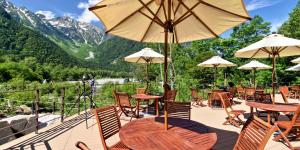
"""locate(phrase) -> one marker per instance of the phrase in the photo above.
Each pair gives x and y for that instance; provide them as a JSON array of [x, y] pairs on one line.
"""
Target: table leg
[[269, 117], [138, 109], [251, 111], [156, 107]]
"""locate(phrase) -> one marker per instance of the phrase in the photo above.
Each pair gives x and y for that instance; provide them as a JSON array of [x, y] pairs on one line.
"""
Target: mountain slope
[[14, 36]]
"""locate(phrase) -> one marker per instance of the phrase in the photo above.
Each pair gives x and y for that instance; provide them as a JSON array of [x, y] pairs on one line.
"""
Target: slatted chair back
[[123, 99], [296, 117], [170, 95], [108, 122], [232, 91], [240, 89], [225, 99], [249, 91], [254, 135], [140, 90], [180, 110], [284, 91], [194, 92]]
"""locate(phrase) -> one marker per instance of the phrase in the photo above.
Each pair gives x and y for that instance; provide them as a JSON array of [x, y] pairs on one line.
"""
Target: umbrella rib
[[165, 12], [176, 9], [198, 18], [151, 23], [96, 7], [129, 16], [280, 50], [162, 25], [186, 14], [255, 53], [146, 6], [213, 6]]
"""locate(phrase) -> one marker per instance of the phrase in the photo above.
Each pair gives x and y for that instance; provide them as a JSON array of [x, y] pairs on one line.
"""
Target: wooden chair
[[290, 127], [232, 115], [125, 105], [140, 90], [240, 92], [196, 98], [180, 110], [109, 125], [249, 94], [82, 146], [170, 96], [214, 97], [254, 135]]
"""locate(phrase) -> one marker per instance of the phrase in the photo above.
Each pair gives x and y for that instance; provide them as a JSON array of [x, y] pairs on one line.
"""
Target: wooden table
[[149, 134], [272, 108], [145, 97]]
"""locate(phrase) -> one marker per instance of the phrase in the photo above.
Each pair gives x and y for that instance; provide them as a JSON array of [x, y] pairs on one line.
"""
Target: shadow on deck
[[46, 136]]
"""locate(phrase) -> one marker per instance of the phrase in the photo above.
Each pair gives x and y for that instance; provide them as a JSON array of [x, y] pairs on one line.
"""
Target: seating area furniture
[[170, 96], [271, 108], [144, 97], [82, 146], [214, 98], [125, 106], [286, 92], [196, 98], [240, 92], [150, 134], [232, 115], [295, 90], [254, 135], [109, 125], [291, 128], [180, 110], [140, 90], [249, 94]]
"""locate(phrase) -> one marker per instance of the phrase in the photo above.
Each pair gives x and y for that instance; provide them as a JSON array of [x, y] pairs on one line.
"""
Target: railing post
[[78, 100], [62, 109], [37, 100]]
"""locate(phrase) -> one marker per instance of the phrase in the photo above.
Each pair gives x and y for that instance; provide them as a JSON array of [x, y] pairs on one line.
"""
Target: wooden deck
[[63, 136]]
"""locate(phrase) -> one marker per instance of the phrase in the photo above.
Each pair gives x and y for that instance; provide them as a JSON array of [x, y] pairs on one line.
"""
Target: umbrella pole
[[215, 76], [273, 78], [147, 72], [166, 76], [254, 77]]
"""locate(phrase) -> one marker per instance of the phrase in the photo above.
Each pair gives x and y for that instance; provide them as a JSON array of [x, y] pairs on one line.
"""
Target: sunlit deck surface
[[64, 136]]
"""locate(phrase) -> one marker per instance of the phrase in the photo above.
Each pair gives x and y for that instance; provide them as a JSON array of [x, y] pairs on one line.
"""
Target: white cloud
[[277, 23], [73, 16], [86, 15], [257, 4], [46, 13]]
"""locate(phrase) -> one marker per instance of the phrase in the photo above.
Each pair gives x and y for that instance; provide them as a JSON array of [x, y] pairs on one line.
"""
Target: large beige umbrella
[[165, 21], [147, 56], [294, 68], [254, 65], [297, 60], [216, 62], [274, 45]]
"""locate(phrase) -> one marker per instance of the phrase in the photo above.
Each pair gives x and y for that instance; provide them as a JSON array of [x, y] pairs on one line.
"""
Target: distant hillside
[[14, 36]]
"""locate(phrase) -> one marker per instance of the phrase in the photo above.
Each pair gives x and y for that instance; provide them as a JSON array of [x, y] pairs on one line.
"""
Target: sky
[[274, 11]]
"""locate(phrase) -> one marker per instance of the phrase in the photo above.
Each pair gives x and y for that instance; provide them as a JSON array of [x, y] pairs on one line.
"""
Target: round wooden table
[[149, 134], [272, 108], [145, 97]]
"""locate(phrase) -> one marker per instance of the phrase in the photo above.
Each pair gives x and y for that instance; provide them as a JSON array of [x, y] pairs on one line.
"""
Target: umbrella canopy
[[294, 68], [216, 61], [145, 20], [297, 60], [146, 55], [254, 64], [274, 45], [165, 21]]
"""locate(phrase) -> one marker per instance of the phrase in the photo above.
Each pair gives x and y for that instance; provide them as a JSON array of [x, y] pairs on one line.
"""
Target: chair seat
[[237, 112], [119, 146], [283, 124]]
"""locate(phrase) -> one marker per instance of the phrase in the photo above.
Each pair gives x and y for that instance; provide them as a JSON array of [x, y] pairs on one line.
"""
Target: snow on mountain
[[61, 28]]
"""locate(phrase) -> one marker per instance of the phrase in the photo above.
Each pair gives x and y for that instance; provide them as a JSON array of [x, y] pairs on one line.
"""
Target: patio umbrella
[[216, 62], [147, 56], [254, 65], [165, 21], [274, 45], [294, 68], [296, 61]]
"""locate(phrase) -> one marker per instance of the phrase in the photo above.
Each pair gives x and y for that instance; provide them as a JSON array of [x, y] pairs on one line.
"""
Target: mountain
[[76, 38], [25, 42]]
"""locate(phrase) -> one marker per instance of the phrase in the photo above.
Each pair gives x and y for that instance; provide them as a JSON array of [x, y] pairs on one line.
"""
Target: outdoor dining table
[[150, 134], [146, 97], [272, 108]]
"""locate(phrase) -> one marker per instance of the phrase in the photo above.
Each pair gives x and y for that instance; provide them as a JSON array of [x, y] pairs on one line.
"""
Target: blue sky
[[274, 11]]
